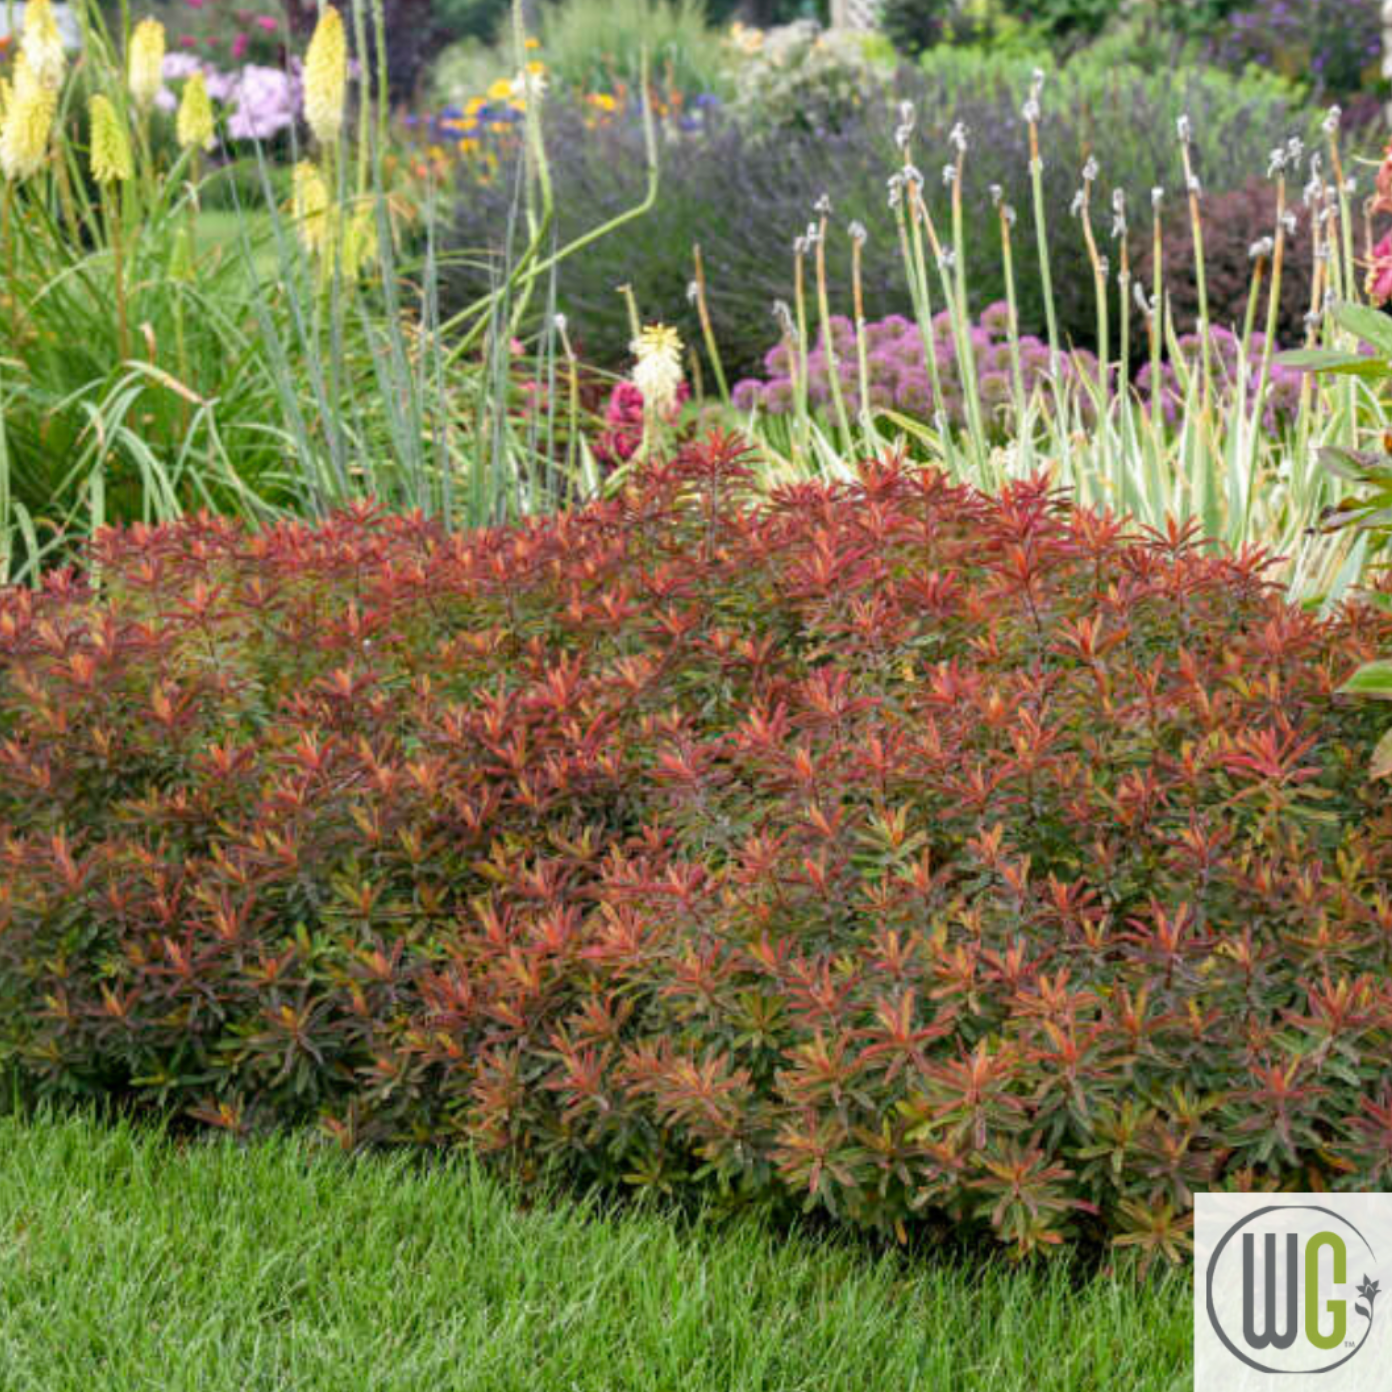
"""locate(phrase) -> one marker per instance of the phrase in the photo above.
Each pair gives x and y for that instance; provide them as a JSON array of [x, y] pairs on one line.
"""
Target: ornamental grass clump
[[285, 355], [883, 848], [1208, 429]]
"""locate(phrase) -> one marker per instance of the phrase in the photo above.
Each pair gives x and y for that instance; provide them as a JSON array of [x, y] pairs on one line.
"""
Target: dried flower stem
[[828, 342], [862, 346], [1017, 372], [1200, 280], [1273, 310], [707, 331], [1157, 315], [1099, 284], [916, 269], [800, 313], [1042, 239]]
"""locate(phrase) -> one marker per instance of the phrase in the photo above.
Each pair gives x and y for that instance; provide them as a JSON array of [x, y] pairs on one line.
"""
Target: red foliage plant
[[879, 846]]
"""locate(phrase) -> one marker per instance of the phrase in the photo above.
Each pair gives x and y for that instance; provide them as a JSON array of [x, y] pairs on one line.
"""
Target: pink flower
[[188, 40], [625, 405], [267, 22], [239, 47], [1379, 283], [195, 4]]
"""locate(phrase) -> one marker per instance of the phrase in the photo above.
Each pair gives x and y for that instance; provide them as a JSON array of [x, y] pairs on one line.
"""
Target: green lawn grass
[[129, 1263]]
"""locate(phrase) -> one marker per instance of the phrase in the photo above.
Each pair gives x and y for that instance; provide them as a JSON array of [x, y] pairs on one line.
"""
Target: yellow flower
[[310, 204], [111, 152], [657, 372], [194, 123], [146, 63], [532, 43], [474, 105], [501, 90], [360, 245], [24, 133], [6, 92], [42, 45], [326, 77]]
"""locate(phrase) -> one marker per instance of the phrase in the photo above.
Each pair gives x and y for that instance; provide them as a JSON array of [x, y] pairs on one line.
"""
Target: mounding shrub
[[881, 846]]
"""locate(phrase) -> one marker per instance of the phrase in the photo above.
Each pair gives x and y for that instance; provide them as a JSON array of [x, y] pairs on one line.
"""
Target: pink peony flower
[[267, 23], [239, 47]]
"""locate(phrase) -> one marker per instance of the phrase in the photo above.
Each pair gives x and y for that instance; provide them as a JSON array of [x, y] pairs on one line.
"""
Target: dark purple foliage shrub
[[1233, 223]]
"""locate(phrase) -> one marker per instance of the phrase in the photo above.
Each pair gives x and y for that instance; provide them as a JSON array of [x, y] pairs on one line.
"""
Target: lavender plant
[[743, 195]]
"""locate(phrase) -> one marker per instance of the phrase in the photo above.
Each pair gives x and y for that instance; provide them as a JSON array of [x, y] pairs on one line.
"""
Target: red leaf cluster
[[879, 846]]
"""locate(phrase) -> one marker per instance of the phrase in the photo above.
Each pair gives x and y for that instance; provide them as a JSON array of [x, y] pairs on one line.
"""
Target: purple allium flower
[[883, 366], [996, 317], [777, 360], [747, 394], [778, 396], [914, 395], [995, 389]]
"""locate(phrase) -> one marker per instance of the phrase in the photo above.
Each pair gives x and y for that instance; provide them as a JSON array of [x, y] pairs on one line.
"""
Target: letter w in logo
[[1269, 1336]]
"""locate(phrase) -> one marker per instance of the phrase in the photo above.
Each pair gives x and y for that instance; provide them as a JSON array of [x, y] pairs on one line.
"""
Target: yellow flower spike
[[310, 207], [326, 77], [194, 124], [28, 124], [145, 63], [360, 244], [6, 93], [657, 373], [111, 153], [42, 45]]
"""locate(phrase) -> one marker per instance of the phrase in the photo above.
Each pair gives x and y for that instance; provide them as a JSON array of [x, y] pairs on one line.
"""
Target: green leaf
[[1327, 360], [1355, 465], [1372, 679], [1371, 325], [1381, 766]]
